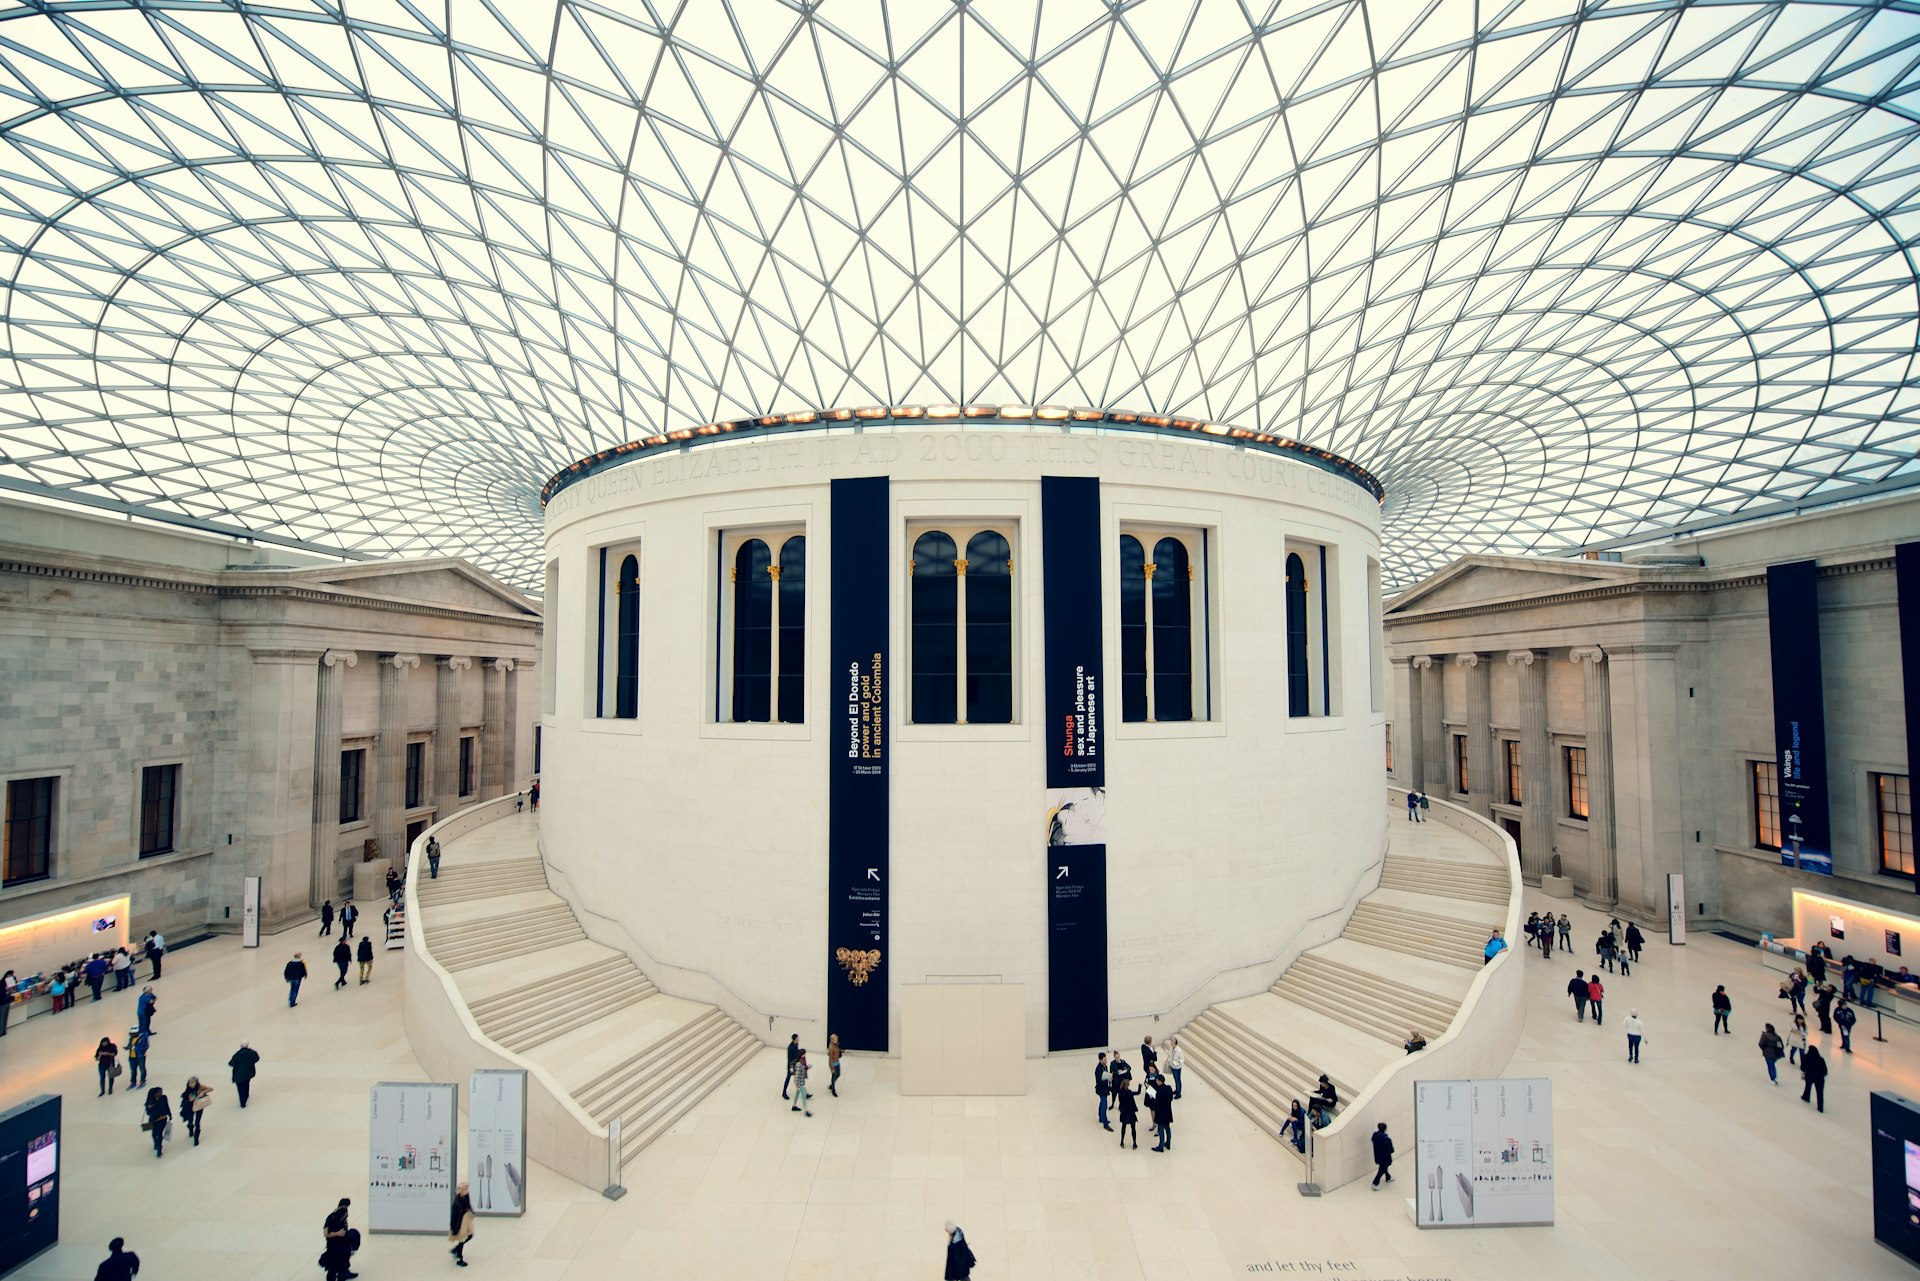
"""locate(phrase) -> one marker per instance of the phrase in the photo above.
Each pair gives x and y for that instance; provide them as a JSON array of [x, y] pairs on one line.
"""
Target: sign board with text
[[1483, 1153]]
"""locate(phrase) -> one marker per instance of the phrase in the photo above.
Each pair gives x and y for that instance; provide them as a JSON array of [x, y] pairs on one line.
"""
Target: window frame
[[725, 544], [1579, 801], [413, 770], [1196, 544], [173, 772], [1325, 672], [964, 531], [1516, 773], [359, 789], [605, 651], [1878, 783], [46, 834], [1461, 761], [1388, 727], [463, 773], [1763, 802]]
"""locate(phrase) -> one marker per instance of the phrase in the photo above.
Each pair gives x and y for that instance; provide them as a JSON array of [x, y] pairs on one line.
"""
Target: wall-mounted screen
[[29, 1180]]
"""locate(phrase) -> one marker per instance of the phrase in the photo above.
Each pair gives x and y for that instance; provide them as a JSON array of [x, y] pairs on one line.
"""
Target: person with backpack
[[433, 858], [1423, 807], [1772, 1049], [136, 1057]]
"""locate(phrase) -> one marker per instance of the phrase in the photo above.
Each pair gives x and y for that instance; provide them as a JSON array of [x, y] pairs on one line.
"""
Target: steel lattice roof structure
[[361, 276]]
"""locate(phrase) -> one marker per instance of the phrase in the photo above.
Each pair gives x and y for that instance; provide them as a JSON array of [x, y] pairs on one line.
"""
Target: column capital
[[1588, 654], [400, 662], [1523, 657], [1469, 659], [1420, 662], [340, 658], [453, 662], [501, 664]]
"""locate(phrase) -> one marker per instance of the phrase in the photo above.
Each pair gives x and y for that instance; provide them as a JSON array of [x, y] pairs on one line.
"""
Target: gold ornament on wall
[[859, 965]]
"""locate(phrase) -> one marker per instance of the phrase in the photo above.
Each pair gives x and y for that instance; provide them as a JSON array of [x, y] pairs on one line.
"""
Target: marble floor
[[1688, 1166]]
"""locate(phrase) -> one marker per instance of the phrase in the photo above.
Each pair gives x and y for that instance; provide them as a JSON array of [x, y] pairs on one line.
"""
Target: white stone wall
[[708, 841]]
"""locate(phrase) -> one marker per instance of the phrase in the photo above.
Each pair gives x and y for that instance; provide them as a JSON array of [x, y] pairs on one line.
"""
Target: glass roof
[[362, 276]]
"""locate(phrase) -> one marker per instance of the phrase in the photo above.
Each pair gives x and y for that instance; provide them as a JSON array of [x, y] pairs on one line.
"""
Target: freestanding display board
[[250, 912], [497, 1141], [1483, 1153], [412, 1157], [29, 1180]]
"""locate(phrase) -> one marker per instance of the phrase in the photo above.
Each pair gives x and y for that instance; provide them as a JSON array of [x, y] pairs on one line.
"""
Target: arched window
[[1172, 585], [626, 680], [1133, 629], [1299, 683], [989, 629], [793, 630], [935, 606], [752, 631]]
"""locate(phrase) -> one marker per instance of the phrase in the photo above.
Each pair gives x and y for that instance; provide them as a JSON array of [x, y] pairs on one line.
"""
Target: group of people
[[64, 986], [1417, 806], [1316, 1115], [1113, 1087], [799, 1070]]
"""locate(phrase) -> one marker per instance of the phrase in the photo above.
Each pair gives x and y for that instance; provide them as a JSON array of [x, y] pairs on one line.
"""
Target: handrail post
[[613, 1191], [1309, 1187]]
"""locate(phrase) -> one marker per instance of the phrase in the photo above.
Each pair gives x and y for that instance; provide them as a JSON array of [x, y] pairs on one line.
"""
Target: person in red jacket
[[1595, 993]]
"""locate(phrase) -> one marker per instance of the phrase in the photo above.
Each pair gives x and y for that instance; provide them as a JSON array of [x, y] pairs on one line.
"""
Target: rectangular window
[[1576, 782], [1389, 749], [1766, 804], [762, 640], [960, 627], [1460, 779], [416, 756], [1894, 804], [1165, 617], [1516, 780], [29, 852], [536, 749], [352, 774], [159, 785], [466, 760]]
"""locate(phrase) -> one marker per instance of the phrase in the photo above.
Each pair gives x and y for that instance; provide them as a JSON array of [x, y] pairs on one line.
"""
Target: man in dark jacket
[[1382, 1154], [1813, 1070], [348, 915], [1823, 1006], [96, 973], [1722, 1011], [120, 1263], [793, 1057], [338, 1258], [342, 957], [1577, 989], [1328, 1096], [1817, 959], [1162, 1114], [1635, 941], [295, 972], [365, 957], [326, 918], [1845, 1018], [1100, 1089], [244, 1061], [960, 1259]]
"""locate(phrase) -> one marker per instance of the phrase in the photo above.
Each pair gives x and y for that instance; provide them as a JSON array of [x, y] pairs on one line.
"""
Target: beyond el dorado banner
[[1799, 716], [857, 745], [1076, 867]]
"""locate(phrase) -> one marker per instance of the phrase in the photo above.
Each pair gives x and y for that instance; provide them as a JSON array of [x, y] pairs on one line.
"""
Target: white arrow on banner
[[873, 874], [1061, 875]]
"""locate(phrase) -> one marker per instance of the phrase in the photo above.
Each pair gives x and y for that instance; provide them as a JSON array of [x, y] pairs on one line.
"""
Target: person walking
[[159, 1116], [106, 1057], [460, 1225], [365, 957], [1823, 1006], [833, 1064], [1636, 1033], [144, 1008], [433, 858], [1577, 989], [342, 958], [1595, 995], [326, 918], [1296, 1122], [1566, 933], [1176, 1060], [1495, 945], [1100, 1090], [1819, 956], [348, 915], [1813, 1071], [1413, 804], [337, 1257], [1797, 991], [243, 1064], [800, 1096], [960, 1258], [194, 1098], [136, 1057], [1382, 1155], [1129, 1110], [1162, 1115], [793, 1056], [1844, 1018], [533, 794], [1423, 807], [121, 1264], [1797, 1039], [1635, 941], [1772, 1049], [1722, 1011], [295, 974], [96, 973], [1603, 948]]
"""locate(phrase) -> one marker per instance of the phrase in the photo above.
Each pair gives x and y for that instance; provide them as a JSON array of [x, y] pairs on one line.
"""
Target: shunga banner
[[1799, 716], [1906, 564], [1076, 828], [857, 801]]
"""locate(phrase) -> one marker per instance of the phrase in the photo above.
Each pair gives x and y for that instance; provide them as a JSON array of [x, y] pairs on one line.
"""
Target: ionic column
[[493, 733], [324, 873], [446, 732], [1536, 766], [1479, 732], [390, 757], [1603, 858], [1433, 728]]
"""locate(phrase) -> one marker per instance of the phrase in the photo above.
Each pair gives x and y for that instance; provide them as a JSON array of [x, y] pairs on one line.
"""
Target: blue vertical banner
[[1906, 567], [1799, 716], [1075, 680], [857, 748]]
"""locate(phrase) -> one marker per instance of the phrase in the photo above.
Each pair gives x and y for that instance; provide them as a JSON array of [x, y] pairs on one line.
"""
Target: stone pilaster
[[1645, 696], [390, 757], [1603, 874], [281, 699], [510, 740], [446, 732], [1479, 669], [1405, 721], [324, 880], [1433, 728], [1536, 766], [494, 728]]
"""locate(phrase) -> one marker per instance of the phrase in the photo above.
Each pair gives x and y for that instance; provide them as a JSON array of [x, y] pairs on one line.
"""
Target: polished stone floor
[[1688, 1166]]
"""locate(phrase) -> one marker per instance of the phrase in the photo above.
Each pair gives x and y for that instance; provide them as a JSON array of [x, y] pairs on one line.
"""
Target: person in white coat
[[1636, 1032]]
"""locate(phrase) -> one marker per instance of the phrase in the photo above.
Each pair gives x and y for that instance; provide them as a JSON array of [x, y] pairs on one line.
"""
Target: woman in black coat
[[1813, 1070], [960, 1259], [1129, 1112], [159, 1113]]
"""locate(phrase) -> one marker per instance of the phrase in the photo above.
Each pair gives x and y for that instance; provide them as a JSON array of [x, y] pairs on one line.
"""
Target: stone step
[[1412, 945], [1470, 933], [721, 1060], [1259, 1071], [540, 992], [1293, 988], [1373, 991], [537, 1026]]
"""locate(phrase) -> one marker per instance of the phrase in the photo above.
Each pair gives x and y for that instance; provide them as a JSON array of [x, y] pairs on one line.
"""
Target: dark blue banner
[[1799, 716], [1906, 566], [858, 741], [1076, 764]]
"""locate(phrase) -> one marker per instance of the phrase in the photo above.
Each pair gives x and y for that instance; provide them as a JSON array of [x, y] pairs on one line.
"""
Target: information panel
[[250, 911], [1799, 716], [497, 1141], [1483, 1153], [1906, 567], [1896, 1173], [857, 746], [412, 1156], [29, 1180]]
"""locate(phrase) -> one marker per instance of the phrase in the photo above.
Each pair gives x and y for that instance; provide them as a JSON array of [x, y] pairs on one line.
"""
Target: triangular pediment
[[1480, 580], [452, 583]]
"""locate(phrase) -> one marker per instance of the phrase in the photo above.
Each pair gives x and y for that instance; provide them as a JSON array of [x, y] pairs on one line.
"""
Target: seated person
[[1904, 977], [1294, 1128], [1415, 1042], [1325, 1095], [1318, 1117]]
